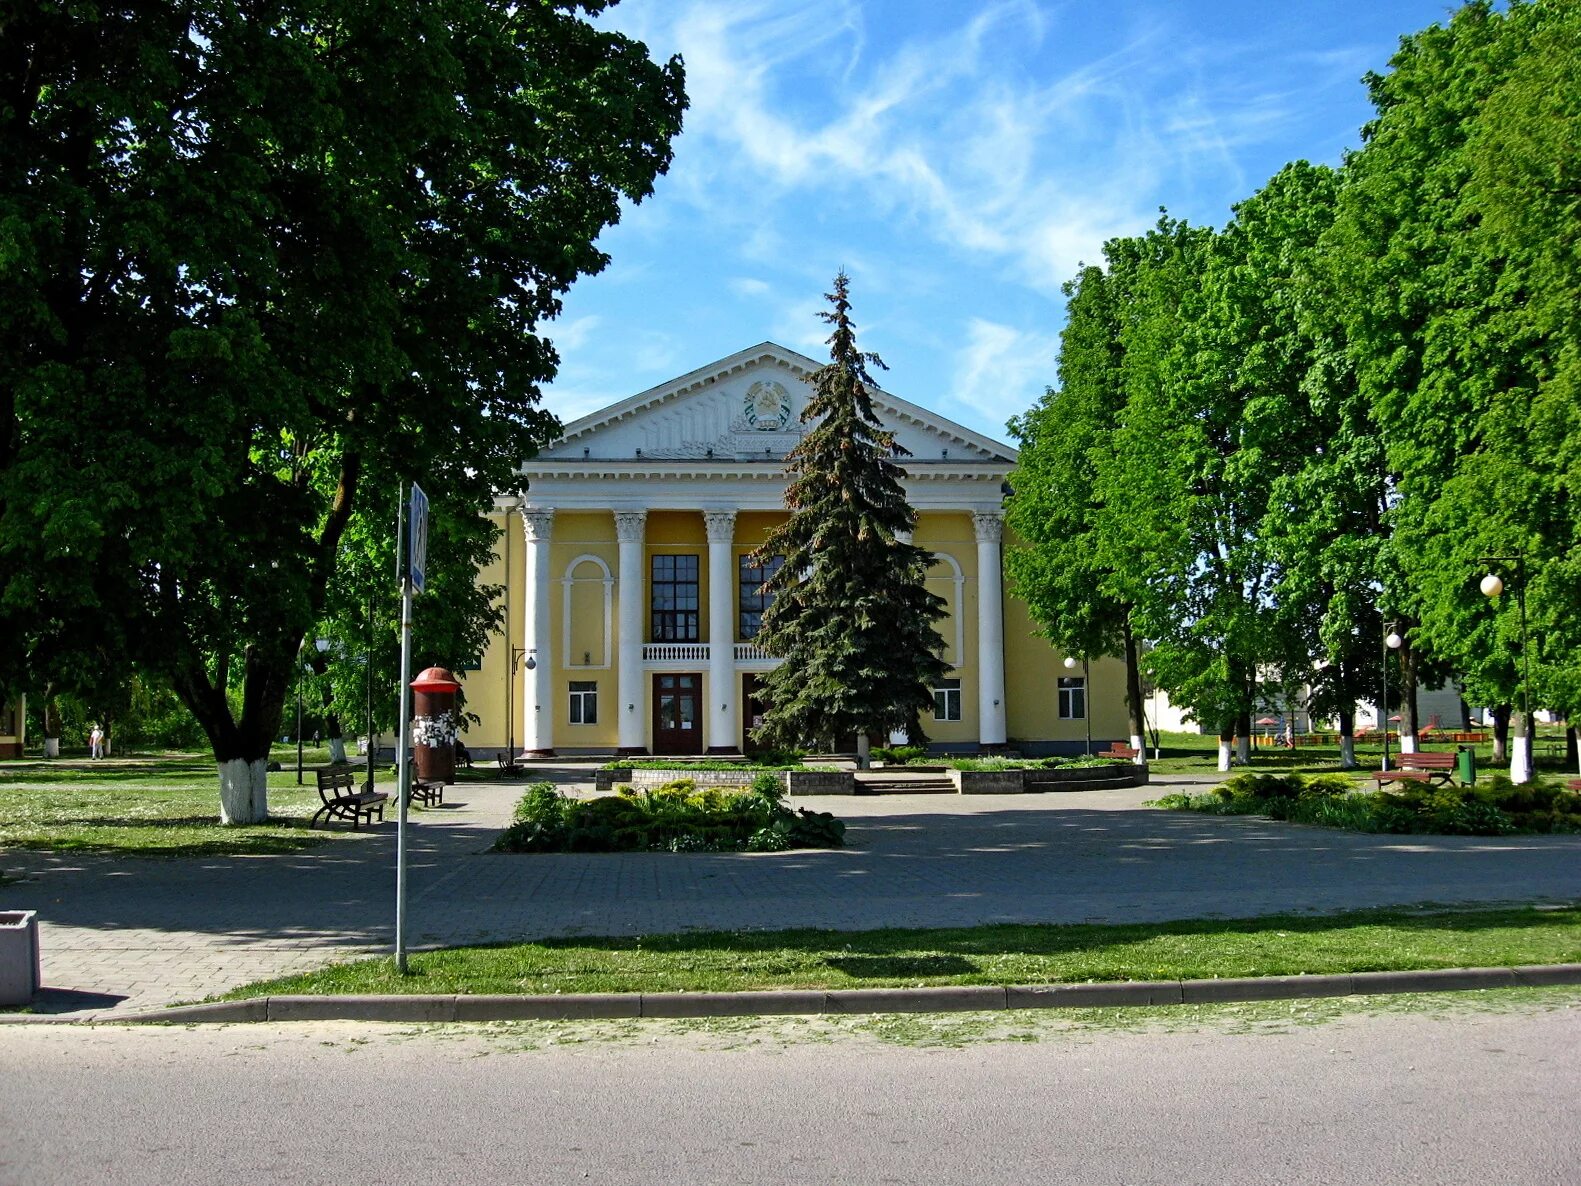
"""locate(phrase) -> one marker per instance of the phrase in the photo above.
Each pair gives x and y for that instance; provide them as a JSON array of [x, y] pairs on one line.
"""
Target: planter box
[[19, 958], [989, 782], [820, 782], [795, 782], [1088, 778], [605, 781]]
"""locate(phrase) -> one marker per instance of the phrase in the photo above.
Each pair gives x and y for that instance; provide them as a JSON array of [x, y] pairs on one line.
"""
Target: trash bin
[[19, 962], [1466, 766]]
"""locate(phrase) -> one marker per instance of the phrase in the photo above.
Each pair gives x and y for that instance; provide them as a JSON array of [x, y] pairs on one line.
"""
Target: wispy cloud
[[1001, 370], [953, 130]]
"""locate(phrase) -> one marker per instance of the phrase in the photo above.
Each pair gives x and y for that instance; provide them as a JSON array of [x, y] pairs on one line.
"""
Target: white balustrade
[[675, 652]]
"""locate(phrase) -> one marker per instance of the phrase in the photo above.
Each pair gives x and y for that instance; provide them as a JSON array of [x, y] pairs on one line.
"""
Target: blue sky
[[959, 160]]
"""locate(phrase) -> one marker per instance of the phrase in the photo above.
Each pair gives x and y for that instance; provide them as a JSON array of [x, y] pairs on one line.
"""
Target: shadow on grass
[[205, 837], [964, 945]]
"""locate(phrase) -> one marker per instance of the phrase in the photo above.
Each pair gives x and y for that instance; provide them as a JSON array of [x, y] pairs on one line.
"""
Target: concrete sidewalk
[[125, 935]]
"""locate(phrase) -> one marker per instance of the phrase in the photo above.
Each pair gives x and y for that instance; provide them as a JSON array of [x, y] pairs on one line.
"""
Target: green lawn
[[733, 961], [164, 805], [1188, 753]]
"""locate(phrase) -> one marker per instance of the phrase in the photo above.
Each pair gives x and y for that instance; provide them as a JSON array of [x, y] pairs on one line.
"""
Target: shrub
[[900, 755], [675, 817], [1495, 809]]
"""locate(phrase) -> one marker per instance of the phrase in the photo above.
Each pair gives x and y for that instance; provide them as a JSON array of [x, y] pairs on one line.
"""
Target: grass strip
[[725, 961]]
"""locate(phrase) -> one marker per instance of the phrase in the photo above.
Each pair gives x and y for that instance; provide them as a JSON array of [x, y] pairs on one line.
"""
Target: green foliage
[[1496, 808], [260, 267], [675, 817], [852, 617], [900, 755]]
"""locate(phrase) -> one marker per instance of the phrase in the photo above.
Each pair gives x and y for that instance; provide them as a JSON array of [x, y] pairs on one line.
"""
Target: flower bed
[[675, 817]]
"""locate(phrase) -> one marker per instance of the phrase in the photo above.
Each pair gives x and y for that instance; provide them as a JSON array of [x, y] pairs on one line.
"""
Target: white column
[[538, 692], [724, 717], [631, 689], [990, 527]]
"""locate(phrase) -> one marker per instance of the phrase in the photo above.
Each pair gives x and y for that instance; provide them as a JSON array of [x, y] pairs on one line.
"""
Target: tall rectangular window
[[673, 589], [947, 700], [753, 602], [584, 702], [1072, 698]]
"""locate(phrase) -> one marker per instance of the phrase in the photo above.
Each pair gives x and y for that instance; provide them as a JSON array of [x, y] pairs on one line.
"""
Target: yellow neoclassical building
[[632, 605]]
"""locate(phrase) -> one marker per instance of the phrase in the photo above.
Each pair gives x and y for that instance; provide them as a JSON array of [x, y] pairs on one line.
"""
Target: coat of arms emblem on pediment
[[766, 407]]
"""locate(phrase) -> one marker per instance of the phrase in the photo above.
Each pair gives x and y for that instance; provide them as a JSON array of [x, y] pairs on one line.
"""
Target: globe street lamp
[[1492, 587], [321, 645], [1391, 642], [1086, 694]]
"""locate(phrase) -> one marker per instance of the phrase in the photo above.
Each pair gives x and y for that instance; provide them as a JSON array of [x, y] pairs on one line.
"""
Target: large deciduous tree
[[1061, 569], [259, 260], [851, 617]]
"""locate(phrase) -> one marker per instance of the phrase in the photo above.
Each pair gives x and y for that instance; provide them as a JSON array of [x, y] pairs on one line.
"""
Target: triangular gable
[[748, 406]]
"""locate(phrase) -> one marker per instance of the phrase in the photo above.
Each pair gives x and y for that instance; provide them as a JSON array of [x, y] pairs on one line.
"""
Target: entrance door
[[677, 714]]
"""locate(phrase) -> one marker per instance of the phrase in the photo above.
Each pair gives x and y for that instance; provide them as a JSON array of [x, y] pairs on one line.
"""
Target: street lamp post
[[1492, 586], [321, 645], [1086, 694], [1391, 642]]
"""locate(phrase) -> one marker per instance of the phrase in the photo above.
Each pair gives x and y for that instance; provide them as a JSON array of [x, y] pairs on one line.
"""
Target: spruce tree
[[851, 617]]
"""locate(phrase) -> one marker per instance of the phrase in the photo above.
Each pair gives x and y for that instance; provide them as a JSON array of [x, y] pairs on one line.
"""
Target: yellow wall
[[1031, 666]]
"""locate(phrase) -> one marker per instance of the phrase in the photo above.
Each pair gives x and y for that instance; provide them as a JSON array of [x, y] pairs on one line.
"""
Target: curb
[[949, 999]]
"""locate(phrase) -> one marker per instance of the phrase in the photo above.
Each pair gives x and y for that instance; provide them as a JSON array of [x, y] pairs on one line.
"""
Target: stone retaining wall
[[796, 782]]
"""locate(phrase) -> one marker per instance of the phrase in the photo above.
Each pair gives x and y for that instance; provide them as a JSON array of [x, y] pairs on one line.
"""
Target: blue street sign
[[417, 539]]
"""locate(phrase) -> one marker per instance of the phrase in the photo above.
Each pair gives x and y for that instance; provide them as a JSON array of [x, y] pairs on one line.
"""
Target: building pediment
[[747, 408]]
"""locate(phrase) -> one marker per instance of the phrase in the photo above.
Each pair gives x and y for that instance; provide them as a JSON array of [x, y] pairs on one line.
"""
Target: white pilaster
[[724, 718], [990, 527], [631, 690], [538, 693]]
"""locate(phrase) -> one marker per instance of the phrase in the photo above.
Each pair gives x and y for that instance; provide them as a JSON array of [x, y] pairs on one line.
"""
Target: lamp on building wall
[[510, 699]]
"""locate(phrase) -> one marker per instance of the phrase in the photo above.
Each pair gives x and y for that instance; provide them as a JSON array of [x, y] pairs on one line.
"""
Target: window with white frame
[[753, 601], [584, 702], [1072, 697], [947, 700]]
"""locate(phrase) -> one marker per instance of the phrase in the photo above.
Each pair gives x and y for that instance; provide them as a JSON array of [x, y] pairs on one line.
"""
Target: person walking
[[96, 742]]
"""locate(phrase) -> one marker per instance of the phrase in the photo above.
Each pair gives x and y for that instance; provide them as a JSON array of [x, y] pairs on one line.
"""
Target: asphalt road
[[1444, 1099]]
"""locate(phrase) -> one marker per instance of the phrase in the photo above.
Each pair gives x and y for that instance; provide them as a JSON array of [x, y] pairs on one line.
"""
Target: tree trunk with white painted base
[[244, 791], [1501, 734], [1133, 692], [337, 750], [1347, 753], [52, 747], [1226, 752], [1243, 739], [1520, 746], [864, 759]]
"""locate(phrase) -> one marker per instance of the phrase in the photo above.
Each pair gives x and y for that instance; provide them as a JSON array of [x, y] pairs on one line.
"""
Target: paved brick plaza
[[151, 932]]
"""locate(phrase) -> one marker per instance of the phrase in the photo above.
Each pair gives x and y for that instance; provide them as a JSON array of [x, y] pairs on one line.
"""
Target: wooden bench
[[1116, 750], [1420, 767], [428, 793], [337, 787], [1574, 784]]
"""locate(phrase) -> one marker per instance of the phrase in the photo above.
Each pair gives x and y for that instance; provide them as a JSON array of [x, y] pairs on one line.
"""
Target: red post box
[[434, 725]]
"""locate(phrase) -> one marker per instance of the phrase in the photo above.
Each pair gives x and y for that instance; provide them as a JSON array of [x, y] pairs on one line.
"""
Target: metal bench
[[1424, 767], [337, 788]]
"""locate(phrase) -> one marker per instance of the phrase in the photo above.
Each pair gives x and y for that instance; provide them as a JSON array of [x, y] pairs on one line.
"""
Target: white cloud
[[1001, 370]]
